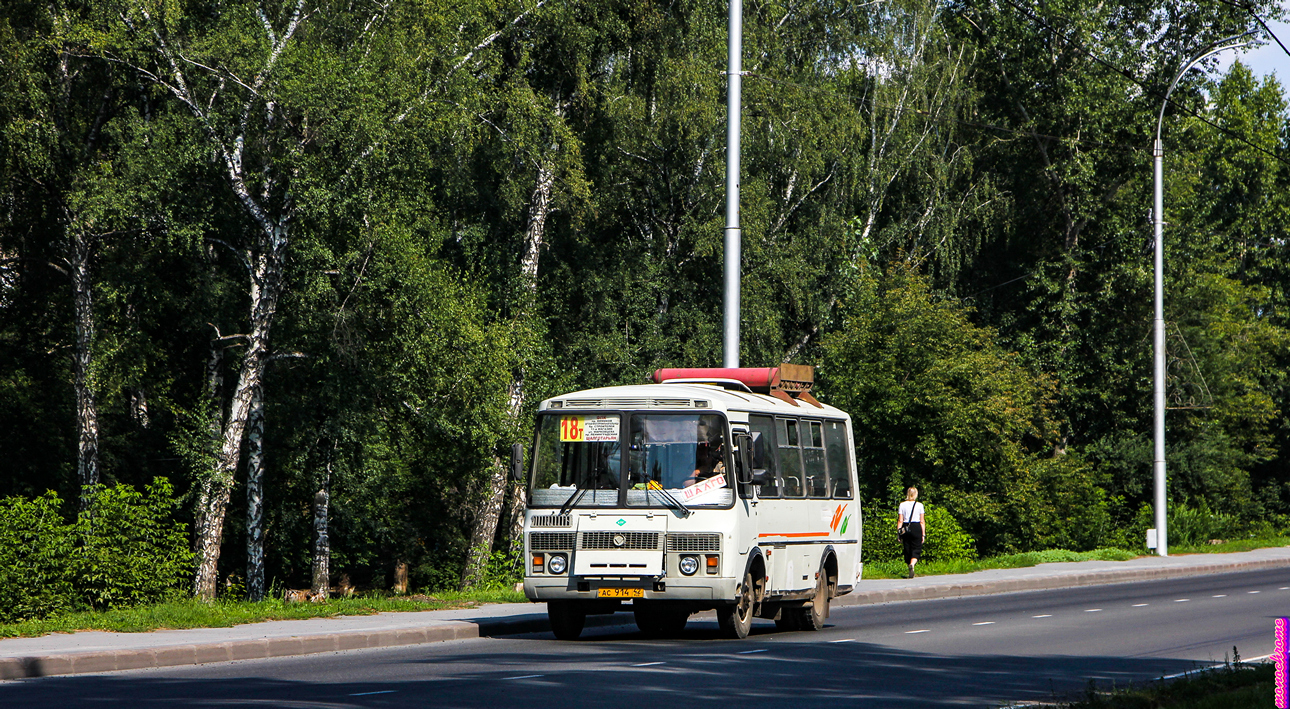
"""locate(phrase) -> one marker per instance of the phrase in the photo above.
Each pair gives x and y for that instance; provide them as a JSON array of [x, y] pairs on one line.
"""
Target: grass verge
[[897, 569], [1228, 687], [1234, 545], [191, 613]]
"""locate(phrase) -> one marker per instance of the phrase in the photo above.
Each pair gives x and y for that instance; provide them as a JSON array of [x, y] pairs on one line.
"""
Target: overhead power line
[[1150, 90], [1264, 25]]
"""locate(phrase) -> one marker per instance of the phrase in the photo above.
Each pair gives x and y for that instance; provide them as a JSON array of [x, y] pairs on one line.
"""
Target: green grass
[[1235, 545], [1228, 687], [191, 613], [897, 569]]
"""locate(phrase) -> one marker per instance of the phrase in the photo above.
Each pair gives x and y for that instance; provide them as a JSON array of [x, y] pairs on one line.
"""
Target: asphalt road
[[981, 651]]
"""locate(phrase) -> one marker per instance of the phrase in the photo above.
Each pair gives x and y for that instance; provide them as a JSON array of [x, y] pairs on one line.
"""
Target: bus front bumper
[[712, 588]]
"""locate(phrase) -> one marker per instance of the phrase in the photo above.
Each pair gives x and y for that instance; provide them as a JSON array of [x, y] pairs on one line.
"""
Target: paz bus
[[731, 490]]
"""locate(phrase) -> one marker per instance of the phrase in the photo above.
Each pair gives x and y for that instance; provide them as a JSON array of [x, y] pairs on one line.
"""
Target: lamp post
[[734, 82], [1157, 212]]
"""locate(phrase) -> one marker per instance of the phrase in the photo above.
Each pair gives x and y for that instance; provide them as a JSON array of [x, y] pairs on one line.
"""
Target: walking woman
[[911, 527]]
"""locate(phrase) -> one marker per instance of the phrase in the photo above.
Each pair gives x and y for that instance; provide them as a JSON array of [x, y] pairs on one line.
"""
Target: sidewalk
[[93, 651]]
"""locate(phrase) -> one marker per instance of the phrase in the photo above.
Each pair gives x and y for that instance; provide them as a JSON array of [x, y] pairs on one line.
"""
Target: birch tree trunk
[[87, 420], [255, 498], [481, 542], [322, 542], [213, 494]]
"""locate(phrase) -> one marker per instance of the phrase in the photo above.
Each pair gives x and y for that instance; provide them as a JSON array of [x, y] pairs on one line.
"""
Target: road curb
[[73, 663], [1042, 583]]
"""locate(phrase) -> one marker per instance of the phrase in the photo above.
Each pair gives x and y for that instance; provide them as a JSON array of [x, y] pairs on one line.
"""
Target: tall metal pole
[[1158, 462], [730, 347], [1158, 375]]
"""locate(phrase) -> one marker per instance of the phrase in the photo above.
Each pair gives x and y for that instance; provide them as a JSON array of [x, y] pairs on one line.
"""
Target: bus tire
[[736, 619], [567, 619], [812, 618]]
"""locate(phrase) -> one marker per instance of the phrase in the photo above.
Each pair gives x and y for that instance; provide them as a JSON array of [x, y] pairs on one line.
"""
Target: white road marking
[[368, 694], [1284, 588], [1181, 600], [1042, 616], [988, 622], [1251, 591], [847, 640], [1092, 610], [524, 677], [749, 652], [911, 632], [1221, 595], [1139, 605], [649, 664]]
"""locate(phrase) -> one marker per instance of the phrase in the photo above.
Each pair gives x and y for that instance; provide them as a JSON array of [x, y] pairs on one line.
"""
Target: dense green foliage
[[125, 549], [945, 539], [482, 203]]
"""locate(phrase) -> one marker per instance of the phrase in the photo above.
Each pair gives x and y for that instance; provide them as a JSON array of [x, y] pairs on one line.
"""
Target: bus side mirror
[[745, 470], [517, 462], [761, 476]]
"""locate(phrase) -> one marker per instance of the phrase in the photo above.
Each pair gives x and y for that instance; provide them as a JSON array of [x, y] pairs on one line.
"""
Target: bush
[[35, 552], [122, 551], [945, 540], [130, 552]]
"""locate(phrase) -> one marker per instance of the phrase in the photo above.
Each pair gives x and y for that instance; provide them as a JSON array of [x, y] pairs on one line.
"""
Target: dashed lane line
[[1221, 595], [911, 632], [523, 677], [1251, 591], [1093, 610], [1181, 600], [368, 694], [844, 640], [649, 664], [988, 622], [1049, 615], [749, 652], [1139, 605]]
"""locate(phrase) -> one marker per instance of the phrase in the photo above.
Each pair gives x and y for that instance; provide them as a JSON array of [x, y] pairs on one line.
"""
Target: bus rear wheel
[[736, 620], [567, 619], [812, 618]]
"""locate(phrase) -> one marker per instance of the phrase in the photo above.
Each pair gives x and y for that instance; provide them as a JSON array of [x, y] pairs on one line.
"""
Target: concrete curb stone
[[69, 663]]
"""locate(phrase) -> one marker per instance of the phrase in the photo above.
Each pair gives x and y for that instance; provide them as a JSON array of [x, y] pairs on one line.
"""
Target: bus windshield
[[577, 458], [678, 455]]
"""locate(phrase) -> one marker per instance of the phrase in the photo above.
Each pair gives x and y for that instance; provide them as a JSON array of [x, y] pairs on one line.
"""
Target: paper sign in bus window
[[589, 429]]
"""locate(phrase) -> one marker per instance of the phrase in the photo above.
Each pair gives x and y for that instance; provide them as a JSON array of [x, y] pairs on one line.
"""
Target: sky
[[1267, 59]]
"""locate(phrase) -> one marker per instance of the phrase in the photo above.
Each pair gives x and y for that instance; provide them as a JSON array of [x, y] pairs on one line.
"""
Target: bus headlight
[[558, 563], [689, 565]]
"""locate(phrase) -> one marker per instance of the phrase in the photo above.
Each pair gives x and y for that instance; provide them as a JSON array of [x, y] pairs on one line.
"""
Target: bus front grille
[[551, 541], [549, 521], [629, 540], [694, 542]]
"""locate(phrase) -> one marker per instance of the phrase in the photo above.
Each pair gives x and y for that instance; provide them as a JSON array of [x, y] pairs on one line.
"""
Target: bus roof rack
[[787, 382]]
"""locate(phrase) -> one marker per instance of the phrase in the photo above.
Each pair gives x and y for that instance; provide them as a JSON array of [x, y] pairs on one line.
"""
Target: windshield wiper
[[573, 500], [667, 497]]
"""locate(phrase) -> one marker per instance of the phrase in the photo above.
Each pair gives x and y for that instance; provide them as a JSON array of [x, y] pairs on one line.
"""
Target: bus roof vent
[[788, 382]]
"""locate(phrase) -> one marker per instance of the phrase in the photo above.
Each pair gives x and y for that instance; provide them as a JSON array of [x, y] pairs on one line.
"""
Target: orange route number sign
[[589, 429]]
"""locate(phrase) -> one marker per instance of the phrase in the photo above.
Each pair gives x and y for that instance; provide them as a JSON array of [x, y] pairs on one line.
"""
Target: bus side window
[[789, 457], [762, 429], [817, 483], [835, 447]]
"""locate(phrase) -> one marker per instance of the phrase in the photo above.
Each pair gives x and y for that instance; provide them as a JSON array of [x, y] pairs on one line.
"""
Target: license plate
[[621, 593]]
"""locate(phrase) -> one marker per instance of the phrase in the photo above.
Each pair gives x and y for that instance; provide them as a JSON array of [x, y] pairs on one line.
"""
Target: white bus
[[731, 490]]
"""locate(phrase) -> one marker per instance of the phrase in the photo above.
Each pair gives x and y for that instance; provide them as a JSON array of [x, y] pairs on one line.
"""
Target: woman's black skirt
[[913, 541]]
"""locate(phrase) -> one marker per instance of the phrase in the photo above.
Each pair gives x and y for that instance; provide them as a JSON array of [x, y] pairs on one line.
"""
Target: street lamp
[[734, 83], [1157, 153]]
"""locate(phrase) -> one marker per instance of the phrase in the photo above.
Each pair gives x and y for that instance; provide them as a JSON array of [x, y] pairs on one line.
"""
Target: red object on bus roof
[[755, 378]]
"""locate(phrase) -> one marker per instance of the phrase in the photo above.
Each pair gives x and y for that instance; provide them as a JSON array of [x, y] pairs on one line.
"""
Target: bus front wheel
[[567, 619], [736, 619]]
